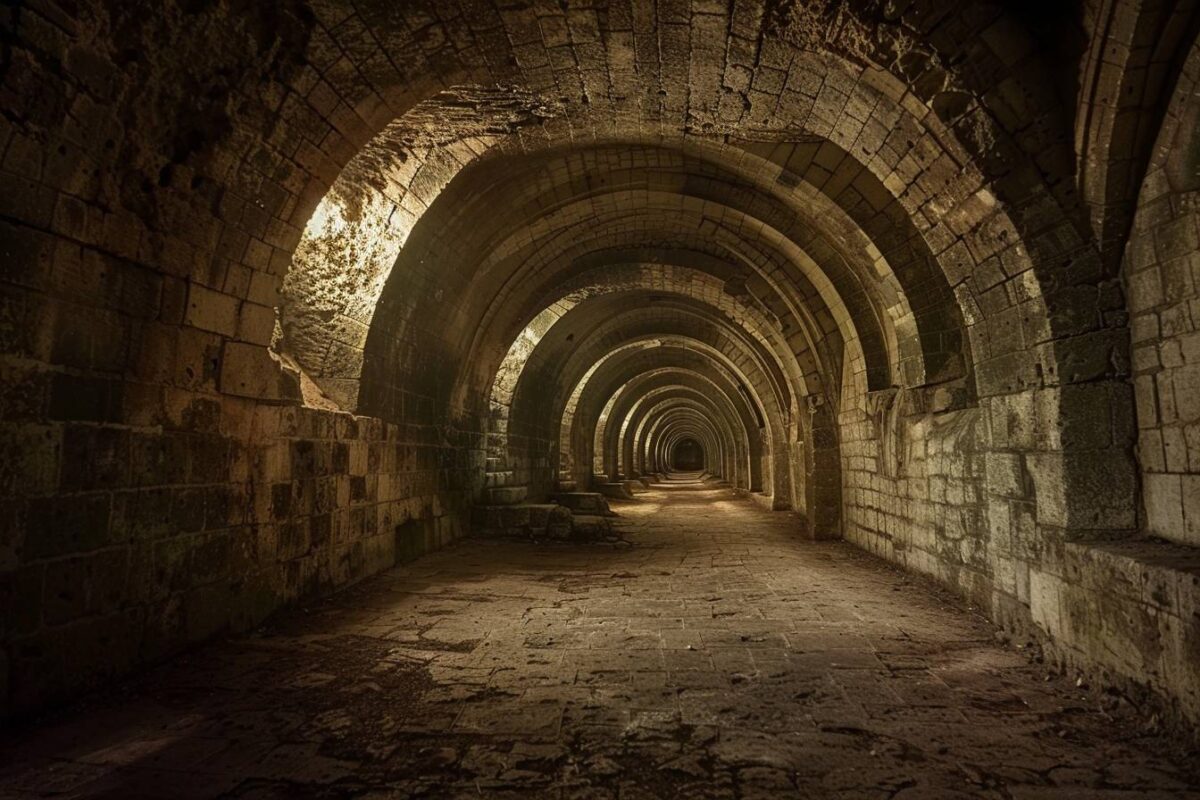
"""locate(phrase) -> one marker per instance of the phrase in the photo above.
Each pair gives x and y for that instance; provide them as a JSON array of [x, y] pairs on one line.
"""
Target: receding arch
[[688, 455]]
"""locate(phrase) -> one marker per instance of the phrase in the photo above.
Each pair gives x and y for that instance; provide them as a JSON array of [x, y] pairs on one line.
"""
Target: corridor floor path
[[713, 655]]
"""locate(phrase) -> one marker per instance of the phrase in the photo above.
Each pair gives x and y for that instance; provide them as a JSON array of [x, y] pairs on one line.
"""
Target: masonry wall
[[964, 508], [925, 510], [162, 518], [159, 481], [145, 504], [1162, 274], [526, 461]]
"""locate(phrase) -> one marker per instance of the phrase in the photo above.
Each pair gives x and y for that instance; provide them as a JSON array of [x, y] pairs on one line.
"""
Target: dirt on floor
[[719, 656]]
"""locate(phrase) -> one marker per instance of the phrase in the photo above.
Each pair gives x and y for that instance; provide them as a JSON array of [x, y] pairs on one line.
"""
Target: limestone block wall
[[1162, 273], [795, 461], [529, 460], [159, 480], [158, 518], [926, 512], [977, 505]]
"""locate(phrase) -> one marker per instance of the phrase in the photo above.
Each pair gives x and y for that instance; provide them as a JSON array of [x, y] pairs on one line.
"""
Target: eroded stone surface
[[718, 657]]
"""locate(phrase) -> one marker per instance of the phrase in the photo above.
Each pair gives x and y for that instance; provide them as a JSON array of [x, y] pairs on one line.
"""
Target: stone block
[[1044, 601], [506, 495], [85, 399], [1085, 491], [30, 459], [1005, 475], [586, 527], [615, 490], [21, 599], [249, 370], [256, 324], [583, 502], [1190, 491], [211, 311], [1163, 496], [94, 458], [64, 525]]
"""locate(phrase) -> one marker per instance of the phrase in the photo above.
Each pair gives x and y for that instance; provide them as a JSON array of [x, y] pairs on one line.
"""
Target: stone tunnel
[[600, 398]]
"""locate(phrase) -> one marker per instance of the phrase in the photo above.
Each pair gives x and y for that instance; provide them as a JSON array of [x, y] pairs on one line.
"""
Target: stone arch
[[1163, 287], [608, 435], [605, 383]]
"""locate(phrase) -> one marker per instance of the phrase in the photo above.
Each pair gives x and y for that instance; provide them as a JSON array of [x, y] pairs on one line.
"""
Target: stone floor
[[715, 655]]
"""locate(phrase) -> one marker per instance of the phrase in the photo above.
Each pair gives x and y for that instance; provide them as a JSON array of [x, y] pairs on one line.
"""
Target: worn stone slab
[[718, 656]]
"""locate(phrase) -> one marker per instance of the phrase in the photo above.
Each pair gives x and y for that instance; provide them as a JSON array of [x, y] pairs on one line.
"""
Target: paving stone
[[535, 672]]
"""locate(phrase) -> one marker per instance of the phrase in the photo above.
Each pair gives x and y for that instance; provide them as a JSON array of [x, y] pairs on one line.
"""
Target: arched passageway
[[687, 455], [299, 292]]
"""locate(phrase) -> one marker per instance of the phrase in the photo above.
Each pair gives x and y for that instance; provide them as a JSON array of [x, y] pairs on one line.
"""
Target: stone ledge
[[253, 371], [1129, 611], [618, 491], [769, 502], [583, 502]]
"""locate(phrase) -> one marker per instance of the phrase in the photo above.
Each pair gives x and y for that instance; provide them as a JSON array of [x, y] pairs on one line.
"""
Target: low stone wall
[[1126, 612], [962, 499], [206, 518]]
